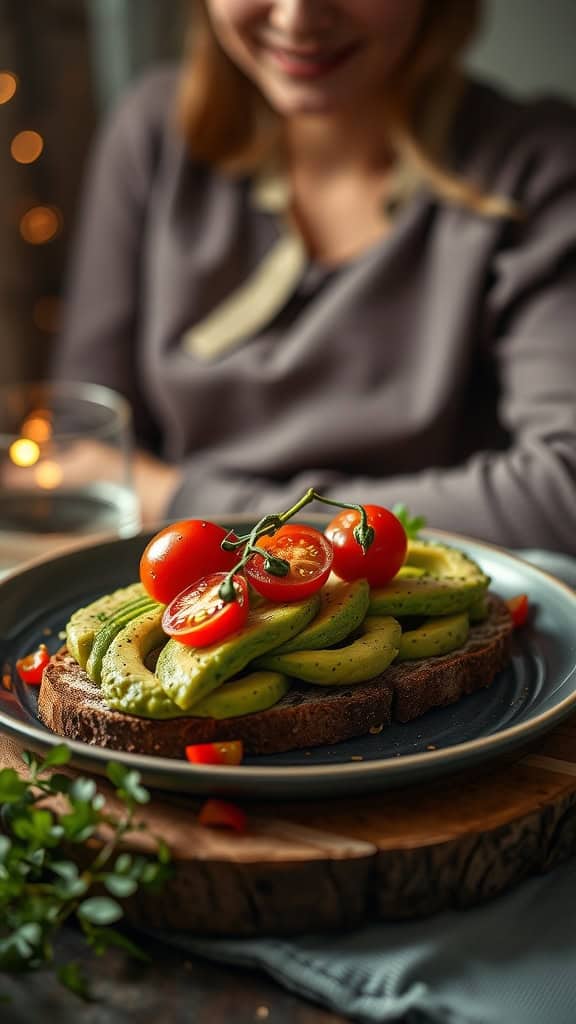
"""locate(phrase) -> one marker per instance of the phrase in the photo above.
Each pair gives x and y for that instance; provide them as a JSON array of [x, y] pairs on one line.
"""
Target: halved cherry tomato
[[230, 752], [309, 554], [519, 607], [198, 616], [31, 667], [181, 553], [385, 554], [221, 814]]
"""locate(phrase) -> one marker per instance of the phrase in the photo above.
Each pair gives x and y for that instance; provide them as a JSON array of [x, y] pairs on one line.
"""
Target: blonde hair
[[228, 122]]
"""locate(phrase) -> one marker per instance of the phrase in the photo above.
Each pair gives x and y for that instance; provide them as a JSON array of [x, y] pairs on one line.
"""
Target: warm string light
[[39, 224], [8, 86], [26, 147]]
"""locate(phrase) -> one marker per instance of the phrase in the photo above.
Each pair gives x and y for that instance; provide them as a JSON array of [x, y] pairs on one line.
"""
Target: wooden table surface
[[173, 989]]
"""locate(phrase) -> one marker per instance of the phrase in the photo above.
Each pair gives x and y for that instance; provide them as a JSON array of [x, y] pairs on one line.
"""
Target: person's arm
[[524, 496]]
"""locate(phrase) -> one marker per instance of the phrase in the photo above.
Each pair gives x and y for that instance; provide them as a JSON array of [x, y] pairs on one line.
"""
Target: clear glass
[[65, 468]]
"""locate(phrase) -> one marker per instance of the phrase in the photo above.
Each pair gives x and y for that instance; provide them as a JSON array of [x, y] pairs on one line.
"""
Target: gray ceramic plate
[[536, 692]]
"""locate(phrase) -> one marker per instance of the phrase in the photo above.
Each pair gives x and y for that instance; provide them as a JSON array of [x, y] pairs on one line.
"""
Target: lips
[[308, 63]]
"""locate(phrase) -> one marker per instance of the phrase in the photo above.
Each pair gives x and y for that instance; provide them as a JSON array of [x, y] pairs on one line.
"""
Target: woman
[[342, 265]]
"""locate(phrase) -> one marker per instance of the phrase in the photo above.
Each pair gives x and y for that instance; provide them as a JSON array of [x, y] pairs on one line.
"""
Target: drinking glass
[[65, 468]]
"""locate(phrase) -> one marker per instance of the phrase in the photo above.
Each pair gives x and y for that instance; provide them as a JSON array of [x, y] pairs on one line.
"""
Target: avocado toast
[[334, 666]]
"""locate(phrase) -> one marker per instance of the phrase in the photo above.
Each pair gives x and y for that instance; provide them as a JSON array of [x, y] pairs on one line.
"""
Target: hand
[[155, 482]]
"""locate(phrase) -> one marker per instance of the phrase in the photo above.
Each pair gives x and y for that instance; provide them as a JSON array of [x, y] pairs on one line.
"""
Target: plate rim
[[463, 754]]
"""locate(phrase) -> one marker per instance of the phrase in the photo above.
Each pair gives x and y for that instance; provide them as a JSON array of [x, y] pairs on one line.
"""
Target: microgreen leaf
[[59, 783], [100, 910], [411, 524], [36, 828], [127, 783], [13, 789], [120, 885], [58, 756], [82, 791]]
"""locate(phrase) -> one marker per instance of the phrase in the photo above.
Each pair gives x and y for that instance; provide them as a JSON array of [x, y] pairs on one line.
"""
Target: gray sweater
[[437, 369]]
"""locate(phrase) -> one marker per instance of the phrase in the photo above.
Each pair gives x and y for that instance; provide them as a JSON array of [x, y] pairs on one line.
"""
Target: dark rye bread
[[307, 716]]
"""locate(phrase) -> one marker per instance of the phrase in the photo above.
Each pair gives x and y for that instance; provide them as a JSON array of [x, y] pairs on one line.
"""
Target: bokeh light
[[48, 475], [26, 147], [37, 426], [24, 452], [8, 86], [40, 224]]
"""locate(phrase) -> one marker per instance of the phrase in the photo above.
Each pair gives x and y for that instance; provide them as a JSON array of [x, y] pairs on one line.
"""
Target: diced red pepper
[[31, 667], [519, 607], [230, 752], [221, 814]]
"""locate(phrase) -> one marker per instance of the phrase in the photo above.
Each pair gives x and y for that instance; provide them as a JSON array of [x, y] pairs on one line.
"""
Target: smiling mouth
[[309, 64]]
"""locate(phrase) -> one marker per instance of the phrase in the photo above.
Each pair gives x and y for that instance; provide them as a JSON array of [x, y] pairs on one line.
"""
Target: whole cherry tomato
[[199, 617], [309, 554], [31, 667], [181, 553], [384, 556]]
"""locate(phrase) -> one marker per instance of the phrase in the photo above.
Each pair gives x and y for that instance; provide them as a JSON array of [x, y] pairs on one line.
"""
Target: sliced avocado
[[105, 635], [188, 674], [256, 691], [85, 622], [435, 636], [127, 685], [451, 583], [479, 609], [409, 572], [362, 659], [343, 607]]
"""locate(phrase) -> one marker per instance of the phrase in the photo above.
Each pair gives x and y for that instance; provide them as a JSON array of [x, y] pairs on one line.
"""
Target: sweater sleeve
[[103, 291], [524, 496]]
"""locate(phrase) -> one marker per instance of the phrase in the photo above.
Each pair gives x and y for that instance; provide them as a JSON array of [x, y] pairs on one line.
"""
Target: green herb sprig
[[42, 885], [412, 524]]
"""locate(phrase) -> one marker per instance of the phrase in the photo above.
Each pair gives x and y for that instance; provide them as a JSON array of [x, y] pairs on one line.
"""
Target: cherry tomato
[[221, 814], [181, 553], [309, 554], [31, 667], [519, 607], [382, 559], [230, 752], [199, 617]]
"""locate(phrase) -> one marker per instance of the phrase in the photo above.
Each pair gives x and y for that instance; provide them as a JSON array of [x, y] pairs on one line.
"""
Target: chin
[[299, 104]]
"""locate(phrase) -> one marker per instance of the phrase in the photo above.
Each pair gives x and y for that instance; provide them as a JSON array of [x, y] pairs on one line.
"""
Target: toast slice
[[307, 716]]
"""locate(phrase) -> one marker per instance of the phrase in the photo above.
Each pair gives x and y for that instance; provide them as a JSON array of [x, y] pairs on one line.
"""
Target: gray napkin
[[512, 961]]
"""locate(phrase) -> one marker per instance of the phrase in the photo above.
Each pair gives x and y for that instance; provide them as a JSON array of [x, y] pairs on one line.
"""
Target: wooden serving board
[[339, 864]]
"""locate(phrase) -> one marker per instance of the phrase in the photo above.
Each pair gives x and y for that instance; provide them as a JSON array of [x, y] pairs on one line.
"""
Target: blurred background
[[64, 62]]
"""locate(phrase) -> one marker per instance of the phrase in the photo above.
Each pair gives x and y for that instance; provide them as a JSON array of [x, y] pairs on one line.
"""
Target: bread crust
[[307, 716]]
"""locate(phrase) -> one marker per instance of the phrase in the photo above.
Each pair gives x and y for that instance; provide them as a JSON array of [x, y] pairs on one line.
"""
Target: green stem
[[269, 524], [120, 827]]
